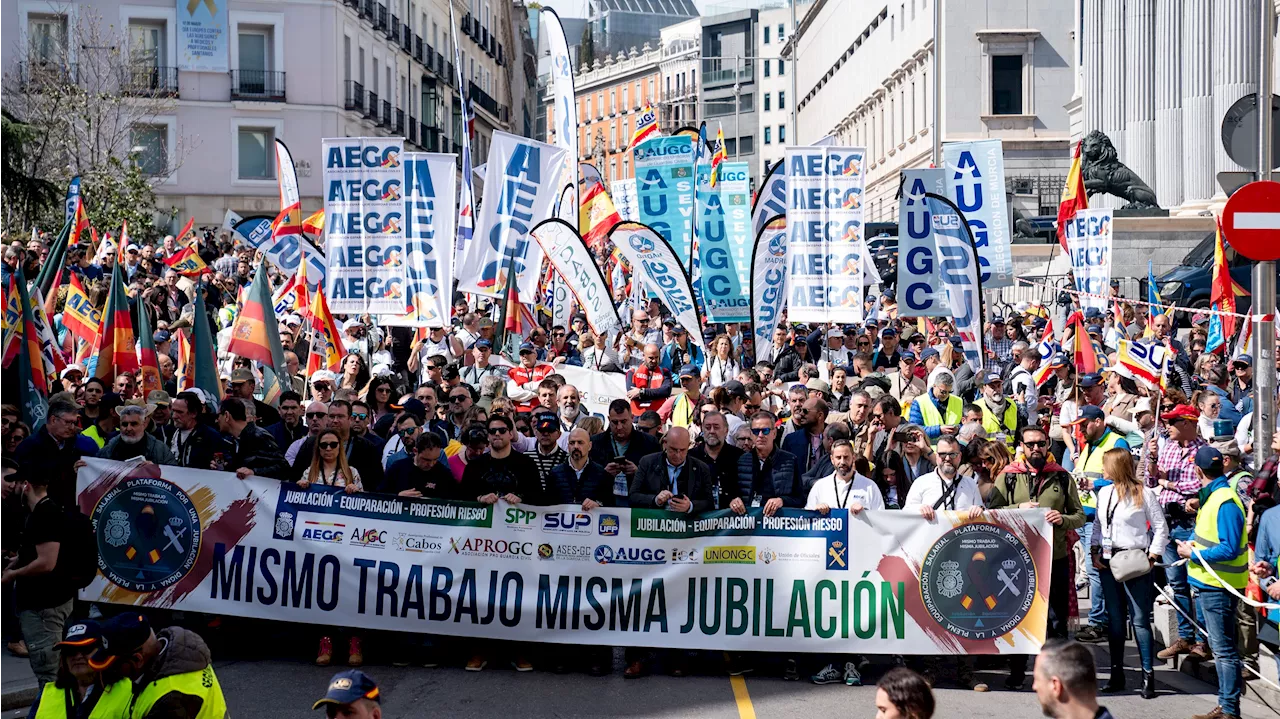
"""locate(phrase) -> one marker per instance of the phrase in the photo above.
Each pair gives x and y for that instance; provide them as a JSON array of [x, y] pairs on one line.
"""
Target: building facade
[[866, 75], [730, 84], [335, 68], [680, 106], [773, 30], [619, 25]]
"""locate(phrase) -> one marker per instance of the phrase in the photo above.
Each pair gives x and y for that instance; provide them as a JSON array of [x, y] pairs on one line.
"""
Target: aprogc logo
[[608, 525], [475, 546], [373, 538]]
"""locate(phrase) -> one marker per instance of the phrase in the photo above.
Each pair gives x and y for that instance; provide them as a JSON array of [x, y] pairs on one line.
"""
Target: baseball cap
[[688, 371], [1090, 380], [546, 421], [956, 341], [1142, 405], [735, 388], [1092, 313], [579, 316], [475, 435], [1095, 329], [669, 322], [413, 406], [991, 377], [907, 355], [122, 635], [160, 336], [241, 374], [131, 247], [292, 320], [73, 367], [349, 686], [997, 320], [929, 353], [817, 385], [1182, 411], [888, 332], [1208, 457], [1060, 359], [484, 344], [834, 333], [83, 633], [527, 347], [677, 329], [323, 375], [1087, 412], [158, 396], [1245, 360]]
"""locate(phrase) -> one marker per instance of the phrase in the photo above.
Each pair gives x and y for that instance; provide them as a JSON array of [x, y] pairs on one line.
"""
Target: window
[[766, 106], [255, 151], [613, 102], [360, 69], [650, 90], [146, 44], [766, 40], [782, 68], [376, 72], [768, 135], [782, 99], [254, 56], [613, 135], [1006, 84], [346, 59], [782, 133], [150, 145], [731, 146], [781, 33], [588, 117], [626, 96], [47, 35], [613, 170], [766, 67]]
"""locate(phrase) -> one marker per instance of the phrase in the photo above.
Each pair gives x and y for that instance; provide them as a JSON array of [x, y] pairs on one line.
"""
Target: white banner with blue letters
[[826, 245], [975, 182], [364, 225], [920, 292], [1089, 244], [430, 214]]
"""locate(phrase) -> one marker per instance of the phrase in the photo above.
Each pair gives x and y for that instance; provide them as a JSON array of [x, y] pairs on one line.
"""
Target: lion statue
[[1105, 173]]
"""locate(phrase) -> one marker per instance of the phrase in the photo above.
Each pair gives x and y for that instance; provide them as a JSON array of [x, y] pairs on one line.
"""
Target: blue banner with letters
[[430, 212], [826, 245], [960, 275], [724, 238], [975, 182], [665, 191], [202, 35], [919, 285]]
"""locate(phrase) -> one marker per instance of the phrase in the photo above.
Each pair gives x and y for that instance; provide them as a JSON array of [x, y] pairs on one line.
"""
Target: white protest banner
[[595, 389], [571, 259], [656, 265], [286, 252], [623, 193], [771, 201], [826, 245], [879, 582], [565, 112], [521, 187], [364, 225], [203, 42], [960, 276], [920, 292], [975, 183], [768, 280], [430, 213], [562, 307], [1089, 244]]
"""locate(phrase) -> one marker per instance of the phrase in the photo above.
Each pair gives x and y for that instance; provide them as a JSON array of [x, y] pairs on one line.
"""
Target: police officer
[[352, 694], [999, 413], [170, 671], [79, 690]]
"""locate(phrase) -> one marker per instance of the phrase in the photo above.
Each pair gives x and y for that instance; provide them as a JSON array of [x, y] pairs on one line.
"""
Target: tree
[[24, 195], [587, 48], [92, 107]]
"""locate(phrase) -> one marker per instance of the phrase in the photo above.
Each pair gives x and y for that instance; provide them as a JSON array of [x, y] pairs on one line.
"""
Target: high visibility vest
[[1090, 464], [1235, 571], [932, 418], [993, 424], [203, 684], [95, 434], [113, 703], [683, 411]]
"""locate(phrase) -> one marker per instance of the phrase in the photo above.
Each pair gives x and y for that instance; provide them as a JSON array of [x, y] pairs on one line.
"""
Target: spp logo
[[567, 522], [326, 532], [605, 554], [640, 243], [608, 525], [517, 518], [369, 537]]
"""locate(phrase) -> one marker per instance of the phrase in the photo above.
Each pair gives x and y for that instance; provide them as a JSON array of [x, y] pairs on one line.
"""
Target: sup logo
[[978, 581], [641, 243], [148, 534]]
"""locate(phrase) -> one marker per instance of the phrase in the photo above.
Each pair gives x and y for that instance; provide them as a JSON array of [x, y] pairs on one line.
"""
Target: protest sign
[[572, 261], [664, 190], [919, 284], [768, 280], [960, 275], [724, 240], [286, 253], [975, 183], [623, 193], [203, 40], [656, 265], [364, 224], [1089, 244], [826, 246], [430, 213]]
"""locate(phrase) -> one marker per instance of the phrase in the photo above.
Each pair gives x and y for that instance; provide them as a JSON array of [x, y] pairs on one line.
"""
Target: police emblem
[[768, 556], [284, 525], [148, 534], [978, 581]]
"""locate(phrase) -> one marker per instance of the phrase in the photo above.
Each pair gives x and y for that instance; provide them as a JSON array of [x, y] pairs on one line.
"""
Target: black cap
[[413, 406], [476, 435], [546, 422], [82, 633], [122, 635], [735, 388], [349, 686]]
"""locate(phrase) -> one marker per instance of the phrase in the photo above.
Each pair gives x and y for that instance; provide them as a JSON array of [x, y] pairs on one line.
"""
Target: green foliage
[[25, 196], [116, 191], [587, 48]]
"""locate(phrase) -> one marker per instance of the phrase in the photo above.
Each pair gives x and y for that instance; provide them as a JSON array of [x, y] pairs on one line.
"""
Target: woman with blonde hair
[[988, 463], [1124, 558], [722, 366], [329, 465]]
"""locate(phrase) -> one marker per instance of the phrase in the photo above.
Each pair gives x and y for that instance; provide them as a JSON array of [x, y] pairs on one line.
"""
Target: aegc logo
[[327, 532], [362, 156]]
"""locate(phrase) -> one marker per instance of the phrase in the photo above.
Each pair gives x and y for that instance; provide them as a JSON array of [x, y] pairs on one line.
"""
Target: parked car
[[1188, 284]]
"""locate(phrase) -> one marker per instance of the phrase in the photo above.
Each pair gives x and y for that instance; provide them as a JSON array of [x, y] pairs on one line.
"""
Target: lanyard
[[948, 495], [333, 481], [181, 448], [847, 491]]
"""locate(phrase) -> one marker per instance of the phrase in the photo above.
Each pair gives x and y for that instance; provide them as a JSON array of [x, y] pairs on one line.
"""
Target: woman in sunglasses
[[378, 396]]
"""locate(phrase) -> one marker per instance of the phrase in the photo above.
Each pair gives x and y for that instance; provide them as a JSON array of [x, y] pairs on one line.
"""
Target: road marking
[[743, 699]]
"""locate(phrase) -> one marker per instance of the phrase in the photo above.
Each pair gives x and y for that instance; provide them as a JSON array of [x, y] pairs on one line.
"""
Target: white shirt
[[838, 494], [1127, 527], [735, 423], [928, 489]]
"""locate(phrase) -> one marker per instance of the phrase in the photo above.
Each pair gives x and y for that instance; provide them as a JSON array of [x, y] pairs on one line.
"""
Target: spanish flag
[[124, 242], [33, 381], [717, 157], [1084, 353], [314, 225], [326, 342], [646, 126], [148, 362], [597, 215], [1074, 198], [288, 222], [114, 346], [79, 315]]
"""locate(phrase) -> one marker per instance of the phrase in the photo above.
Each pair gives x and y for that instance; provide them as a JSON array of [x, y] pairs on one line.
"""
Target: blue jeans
[[1133, 599], [1219, 609], [1097, 605], [1178, 583]]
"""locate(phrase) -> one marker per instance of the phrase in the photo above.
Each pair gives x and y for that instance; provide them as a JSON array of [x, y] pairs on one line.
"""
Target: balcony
[[371, 110], [385, 120], [46, 74], [417, 48], [355, 96], [366, 9], [149, 81], [413, 129], [399, 127], [725, 77], [466, 24], [406, 38], [482, 98], [262, 85], [440, 65], [502, 61], [393, 32], [380, 20]]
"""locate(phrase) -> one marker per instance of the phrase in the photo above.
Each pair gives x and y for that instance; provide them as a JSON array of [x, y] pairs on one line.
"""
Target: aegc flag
[[430, 213], [826, 246], [1089, 242]]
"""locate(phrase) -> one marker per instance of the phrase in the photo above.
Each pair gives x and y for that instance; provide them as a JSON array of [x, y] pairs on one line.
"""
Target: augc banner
[[1089, 242], [920, 292], [771, 200], [430, 214], [975, 182], [364, 225], [768, 280], [573, 262], [664, 190], [724, 240], [201, 541], [960, 275], [659, 268], [826, 246]]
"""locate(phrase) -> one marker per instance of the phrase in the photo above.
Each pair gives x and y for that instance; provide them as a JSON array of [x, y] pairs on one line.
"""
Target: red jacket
[[655, 388], [528, 378]]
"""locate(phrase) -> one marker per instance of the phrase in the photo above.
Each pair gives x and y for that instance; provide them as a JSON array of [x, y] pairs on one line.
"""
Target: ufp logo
[[608, 525], [567, 522], [729, 555]]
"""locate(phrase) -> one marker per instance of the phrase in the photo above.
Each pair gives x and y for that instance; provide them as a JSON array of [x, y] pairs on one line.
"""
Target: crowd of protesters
[[885, 415]]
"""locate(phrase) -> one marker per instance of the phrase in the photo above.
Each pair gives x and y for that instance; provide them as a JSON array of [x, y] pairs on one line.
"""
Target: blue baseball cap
[[1088, 412], [888, 332], [929, 353], [484, 343], [1095, 329], [991, 377], [528, 347], [1060, 359], [122, 635], [688, 371], [997, 320], [1092, 312], [1207, 458], [1090, 380], [907, 355], [83, 633], [347, 687]]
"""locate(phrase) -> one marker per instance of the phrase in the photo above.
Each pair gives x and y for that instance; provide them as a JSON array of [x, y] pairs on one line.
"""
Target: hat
[[158, 396], [475, 435], [160, 336], [1090, 380], [1095, 329], [991, 377], [348, 686], [888, 332], [292, 319], [1087, 412], [1182, 411], [851, 329], [956, 341], [131, 247], [528, 347], [1208, 458], [668, 322], [241, 374], [353, 322], [1091, 313], [929, 353], [907, 355], [413, 406], [735, 388], [1245, 360], [997, 320], [677, 329], [81, 633], [323, 375], [817, 385], [122, 635], [484, 344], [688, 371], [74, 367], [578, 316], [834, 333], [1228, 447], [486, 322], [1039, 323], [1142, 405], [546, 421]]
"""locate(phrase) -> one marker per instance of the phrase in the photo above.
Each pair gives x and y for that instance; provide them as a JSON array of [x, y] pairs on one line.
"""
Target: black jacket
[[640, 445], [437, 482], [40, 456], [197, 452], [362, 456], [786, 368], [266, 414], [694, 482], [565, 487], [258, 451], [724, 472], [284, 435], [780, 478]]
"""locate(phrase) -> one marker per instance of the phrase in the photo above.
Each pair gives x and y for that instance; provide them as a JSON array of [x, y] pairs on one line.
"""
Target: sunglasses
[[359, 415], [949, 454], [459, 398], [497, 430], [322, 386], [558, 334], [761, 431], [408, 431], [1037, 444], [316, 415], [328, 445], [642, 322], [383, 389]]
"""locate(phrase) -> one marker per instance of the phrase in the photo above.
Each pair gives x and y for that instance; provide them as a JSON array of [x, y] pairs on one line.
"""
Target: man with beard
[[649, 385], [1037, 482], [999, 413], [133, 440], [722, 457], [193, 443], [251, 449], [571, 415], [290, 427], [620, 448], [806, 444]]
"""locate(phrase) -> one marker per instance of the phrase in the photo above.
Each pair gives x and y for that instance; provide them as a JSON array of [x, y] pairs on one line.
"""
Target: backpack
[[78, 554]]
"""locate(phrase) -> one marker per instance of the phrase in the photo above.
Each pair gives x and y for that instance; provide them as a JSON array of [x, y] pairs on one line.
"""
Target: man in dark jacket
[[251, 449], [133, 440], [671, 479], [425, 473], [806, 443], [193, 443], [53, 451], [243, 384], [290, 428], [621, 442], [786, 368], [722, 457], [171, 670], [767, 477], [580, 480], [362, 455]]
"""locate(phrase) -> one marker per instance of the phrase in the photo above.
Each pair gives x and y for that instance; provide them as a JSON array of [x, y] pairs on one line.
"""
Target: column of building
[[1235, 57], [1139, 92], [1093, 76], [1113, 81], [1168, 95], [1198, 137]]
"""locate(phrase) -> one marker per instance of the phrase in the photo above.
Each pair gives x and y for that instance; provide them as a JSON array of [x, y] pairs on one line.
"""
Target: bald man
[[317, 419], [579, 480], [650, 384], [671, 479]]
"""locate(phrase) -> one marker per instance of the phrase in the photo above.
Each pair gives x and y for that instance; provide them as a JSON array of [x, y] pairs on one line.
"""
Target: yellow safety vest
[[1235, 571], [683, 411], [932, 418], [203, 684], [1090, 464], [112, 704], [993, 424], [95, 434]]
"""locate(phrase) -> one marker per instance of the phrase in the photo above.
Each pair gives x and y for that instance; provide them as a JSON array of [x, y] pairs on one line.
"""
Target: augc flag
[[115, 337], [646, 126]]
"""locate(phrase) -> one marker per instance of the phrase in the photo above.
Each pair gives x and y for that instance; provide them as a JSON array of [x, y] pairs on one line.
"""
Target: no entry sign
[[1251, 221]]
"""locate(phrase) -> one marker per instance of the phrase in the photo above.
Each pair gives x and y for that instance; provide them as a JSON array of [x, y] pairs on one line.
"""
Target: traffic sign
[[1251, 221]]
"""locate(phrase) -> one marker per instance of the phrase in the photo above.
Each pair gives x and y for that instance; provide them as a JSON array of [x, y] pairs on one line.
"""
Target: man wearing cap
[[834, 354], [938, 410], [161, 417], [681, 351], [352, 694], [1000, 414], [546, 452], [682, 409], [887, 356], [786, 368], [1240, 388], [1219, 556], [904, 385], [243, 384], [77, 691], [192, 442], [171, 670], [482, 364], [523, 379]]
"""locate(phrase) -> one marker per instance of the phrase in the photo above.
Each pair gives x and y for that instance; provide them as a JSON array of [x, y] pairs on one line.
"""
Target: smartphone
[[619, 460], [903, 437]]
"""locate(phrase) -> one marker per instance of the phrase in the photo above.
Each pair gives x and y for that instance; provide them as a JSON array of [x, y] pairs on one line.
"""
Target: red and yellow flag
[[718, 157], [326, 342], [1084, 353], [597, 215], [124, 242], [1073, 198], [1222, 290], [186, 374], [79, 315], [114, 345], [646, 126], [249, 336], [314, 224], [148, 362], [288, 222]]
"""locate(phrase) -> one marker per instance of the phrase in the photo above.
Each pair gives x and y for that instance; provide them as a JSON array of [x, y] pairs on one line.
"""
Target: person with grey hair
[[134, 440], [938, 410], [1066, 682]]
